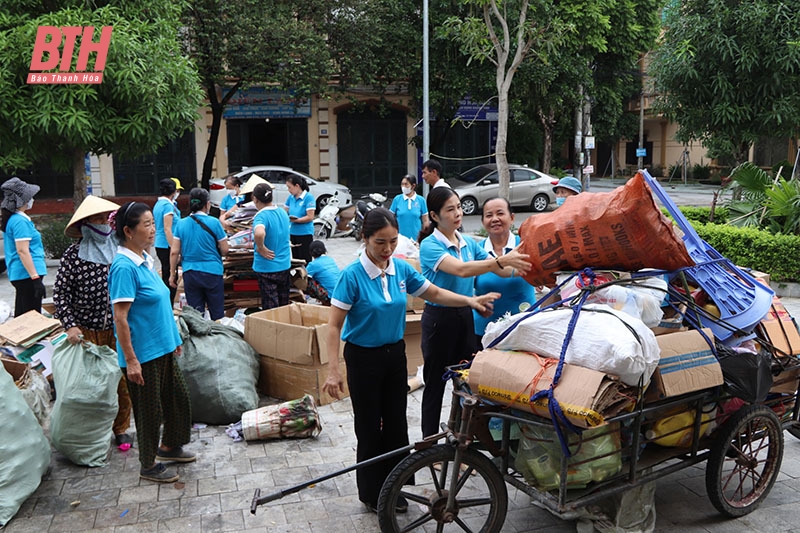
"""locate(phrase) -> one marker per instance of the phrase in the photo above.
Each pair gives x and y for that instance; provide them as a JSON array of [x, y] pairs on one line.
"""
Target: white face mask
[[30, 203], [232, 193], [406, 190], [175, 196]]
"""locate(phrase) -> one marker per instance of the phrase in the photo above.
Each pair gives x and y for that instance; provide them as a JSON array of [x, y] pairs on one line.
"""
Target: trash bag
[[748, 375], [36, 391], [86, 377], [220, 368], [622, 230], [24, 450]]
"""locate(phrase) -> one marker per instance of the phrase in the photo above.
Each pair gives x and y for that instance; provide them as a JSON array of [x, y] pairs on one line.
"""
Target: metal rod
[[259, 500]]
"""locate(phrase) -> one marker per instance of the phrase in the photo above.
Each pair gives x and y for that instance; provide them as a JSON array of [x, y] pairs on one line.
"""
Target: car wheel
[[322, 201], [469, 205], [540, 202]]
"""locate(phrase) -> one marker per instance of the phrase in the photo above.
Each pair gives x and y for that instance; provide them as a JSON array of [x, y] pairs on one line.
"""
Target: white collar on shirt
[[302, 195], [127, 252], [444, 240], [441, 183], [23, 213], [203, 213], [268, 207], [489, 247], [372, 269]]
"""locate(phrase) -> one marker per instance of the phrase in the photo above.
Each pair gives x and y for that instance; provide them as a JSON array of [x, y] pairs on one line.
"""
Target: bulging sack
[[622, 229]]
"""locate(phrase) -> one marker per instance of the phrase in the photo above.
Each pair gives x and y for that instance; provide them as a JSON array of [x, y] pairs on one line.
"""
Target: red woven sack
[[620, 230]]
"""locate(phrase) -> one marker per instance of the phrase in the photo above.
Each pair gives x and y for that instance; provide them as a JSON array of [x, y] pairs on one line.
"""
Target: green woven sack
[[86, 377], [24, 450]]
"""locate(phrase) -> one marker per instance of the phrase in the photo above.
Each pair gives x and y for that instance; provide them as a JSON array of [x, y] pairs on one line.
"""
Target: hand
[[179, 350], [517, 260], [483, 304], [74, 335], [267, 253], [333, 384], [39, 291], [173, 281], [134, 373]]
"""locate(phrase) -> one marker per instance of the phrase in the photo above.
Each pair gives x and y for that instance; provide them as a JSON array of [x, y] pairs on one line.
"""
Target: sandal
[[124, 441]]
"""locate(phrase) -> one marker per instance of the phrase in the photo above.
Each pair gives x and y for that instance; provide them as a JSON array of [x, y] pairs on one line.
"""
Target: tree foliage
[[728, 73], [149, 93], [769, 203]]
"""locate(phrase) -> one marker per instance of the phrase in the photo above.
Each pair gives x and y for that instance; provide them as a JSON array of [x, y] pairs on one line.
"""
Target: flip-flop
[[124, 441]]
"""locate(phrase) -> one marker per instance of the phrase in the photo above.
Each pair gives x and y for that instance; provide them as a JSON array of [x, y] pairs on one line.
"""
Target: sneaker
[[159, 473], [401, 506], [177, 455]]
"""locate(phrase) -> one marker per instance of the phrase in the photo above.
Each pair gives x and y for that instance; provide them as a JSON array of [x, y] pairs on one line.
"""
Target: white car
[[321, 190]]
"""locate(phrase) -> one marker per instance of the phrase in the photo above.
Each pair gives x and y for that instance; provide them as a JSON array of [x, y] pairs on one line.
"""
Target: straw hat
[[91, 205], [252, 181]]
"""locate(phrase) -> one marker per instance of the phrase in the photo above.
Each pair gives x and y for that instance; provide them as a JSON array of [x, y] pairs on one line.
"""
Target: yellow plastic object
[[676, 431]]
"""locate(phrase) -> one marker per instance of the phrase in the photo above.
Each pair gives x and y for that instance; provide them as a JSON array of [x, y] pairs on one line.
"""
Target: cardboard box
[[413, 338], [287, 381], [687, 364], [294, 333], [786, 382], [671, 322], [414, 303], [780, 329], [586, 397]]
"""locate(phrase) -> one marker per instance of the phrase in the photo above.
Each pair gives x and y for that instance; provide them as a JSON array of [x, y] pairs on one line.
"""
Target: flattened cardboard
[[286, 381], [687, 364], [28, 328], [413, 338], [786, 382], [780, 329]]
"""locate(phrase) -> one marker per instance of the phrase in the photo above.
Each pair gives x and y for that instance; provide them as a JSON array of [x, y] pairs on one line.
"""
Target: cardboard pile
[[28, 329]]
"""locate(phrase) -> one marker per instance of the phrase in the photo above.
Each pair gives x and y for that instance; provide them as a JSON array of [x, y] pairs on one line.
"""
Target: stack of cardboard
[[28, 329]]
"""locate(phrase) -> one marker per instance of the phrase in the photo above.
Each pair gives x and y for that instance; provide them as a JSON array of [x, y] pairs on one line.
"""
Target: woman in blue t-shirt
[[22, 242], [517, 293], [198, 244], [272, 255], [230, 204], [164, 214], [147, 343], [369, 301], [323, 273], [301, 207], [451, 261], [410, 208]]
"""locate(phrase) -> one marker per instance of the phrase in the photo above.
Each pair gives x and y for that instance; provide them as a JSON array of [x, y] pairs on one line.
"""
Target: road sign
[[588, 143], [641, 152], [588, 169]]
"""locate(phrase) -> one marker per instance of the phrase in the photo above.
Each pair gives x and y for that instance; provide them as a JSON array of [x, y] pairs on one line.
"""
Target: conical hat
[[91, 205], [252, 181]]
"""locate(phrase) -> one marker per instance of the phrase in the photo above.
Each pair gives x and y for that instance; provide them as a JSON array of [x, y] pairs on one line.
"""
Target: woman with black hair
[[272, 256], [451, 261], [147, 340], [368, 308], [229, 204], [165, 215], [198, 244], [22, 242], [301, 207], [410, 208]]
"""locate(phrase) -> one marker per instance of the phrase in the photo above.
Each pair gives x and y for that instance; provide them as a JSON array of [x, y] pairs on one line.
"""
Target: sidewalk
[[214, 493]]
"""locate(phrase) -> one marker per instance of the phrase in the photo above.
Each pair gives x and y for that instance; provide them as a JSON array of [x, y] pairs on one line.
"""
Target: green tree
[[149, 94], [727, 72]]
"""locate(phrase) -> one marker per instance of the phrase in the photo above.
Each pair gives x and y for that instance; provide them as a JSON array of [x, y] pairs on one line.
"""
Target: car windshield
[[474, 174]]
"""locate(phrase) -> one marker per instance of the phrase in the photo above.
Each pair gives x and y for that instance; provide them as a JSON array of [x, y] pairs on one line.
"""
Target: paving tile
[[97, 499], [291, 476], [240, 499], [266, 516], [338, 524], [117, 516], [305, 511], [227, 521], [364, 523], [54, 505], [120, 480], [61, 468], [143, 493], [337, 506], [248, 449], [254, 481], [33, 524], [200, 505], [26, 509], [190, 524], [82, 484], [155, 511], [139, 527], [49, 487], [74, 521], [215, 485], [267, 464], [180, 489], [231, 468]]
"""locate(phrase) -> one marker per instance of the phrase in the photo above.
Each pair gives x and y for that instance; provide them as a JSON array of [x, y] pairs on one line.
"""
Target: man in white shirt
[[432, 174]]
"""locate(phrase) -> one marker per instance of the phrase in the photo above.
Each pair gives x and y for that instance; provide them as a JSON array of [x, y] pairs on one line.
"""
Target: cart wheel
[[481, 495], [745, 460]]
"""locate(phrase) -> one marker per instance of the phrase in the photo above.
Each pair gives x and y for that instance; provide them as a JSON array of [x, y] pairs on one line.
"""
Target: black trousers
[[448, 337], [163, 256], [302, 248], [25, 300], [378, 391]]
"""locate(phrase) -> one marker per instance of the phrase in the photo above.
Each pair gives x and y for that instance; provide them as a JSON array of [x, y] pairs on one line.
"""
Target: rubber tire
[[321, 231], [412, 468], [741, 432], [540, 203], [469, 205], [322, 201]]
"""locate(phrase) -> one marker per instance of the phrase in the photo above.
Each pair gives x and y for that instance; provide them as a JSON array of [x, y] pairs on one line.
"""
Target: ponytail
[[436, 200], [6, 215]]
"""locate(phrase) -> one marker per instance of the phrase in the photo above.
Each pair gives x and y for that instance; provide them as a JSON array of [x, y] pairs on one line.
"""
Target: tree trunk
[[502, 140], [547, 149], [208, 162], [78, 176]]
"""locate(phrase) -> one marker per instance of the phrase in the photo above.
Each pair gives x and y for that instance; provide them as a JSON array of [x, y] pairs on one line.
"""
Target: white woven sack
[[600, 341]]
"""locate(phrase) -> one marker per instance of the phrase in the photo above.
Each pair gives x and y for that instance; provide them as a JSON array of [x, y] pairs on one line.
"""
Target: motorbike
[[363, 206], [334, 221]]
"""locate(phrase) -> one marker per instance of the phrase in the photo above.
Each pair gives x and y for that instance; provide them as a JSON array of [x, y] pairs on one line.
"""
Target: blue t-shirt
[[514, 291], [229, 201], [198, 248], [21, 228], [376, 306], [435, 248], [153, 330], [299, 207], [161, 210], [325, 271], [409, 214], [276, 225]]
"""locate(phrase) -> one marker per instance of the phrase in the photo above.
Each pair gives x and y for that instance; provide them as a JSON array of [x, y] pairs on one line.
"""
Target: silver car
[[528, 188], [321, 190]]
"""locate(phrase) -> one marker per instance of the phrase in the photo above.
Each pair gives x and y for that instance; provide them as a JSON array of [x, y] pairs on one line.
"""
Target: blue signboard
[[641, 152], [260, 102], [469, 110]]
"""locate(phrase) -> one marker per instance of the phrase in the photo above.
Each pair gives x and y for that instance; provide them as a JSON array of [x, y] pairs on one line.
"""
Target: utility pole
[[426, 119], [577, 166]]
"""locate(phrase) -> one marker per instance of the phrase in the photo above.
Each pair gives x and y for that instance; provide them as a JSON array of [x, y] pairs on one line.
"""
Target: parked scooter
[[363, 206], [334, 221]]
